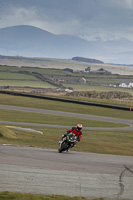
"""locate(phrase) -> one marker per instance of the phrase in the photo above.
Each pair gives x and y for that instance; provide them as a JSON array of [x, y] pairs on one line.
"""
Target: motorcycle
[[67, 142]]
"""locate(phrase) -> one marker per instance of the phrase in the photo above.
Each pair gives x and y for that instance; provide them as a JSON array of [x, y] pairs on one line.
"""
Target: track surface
[[36, 170], [46, 171]]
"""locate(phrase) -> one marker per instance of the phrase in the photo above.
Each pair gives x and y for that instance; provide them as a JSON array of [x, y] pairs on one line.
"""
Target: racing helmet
[[79, 127]]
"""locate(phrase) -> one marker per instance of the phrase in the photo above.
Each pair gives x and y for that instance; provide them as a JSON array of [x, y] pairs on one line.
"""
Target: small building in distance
[[101, 71], [126, 84], [82, 80], [67, 70]]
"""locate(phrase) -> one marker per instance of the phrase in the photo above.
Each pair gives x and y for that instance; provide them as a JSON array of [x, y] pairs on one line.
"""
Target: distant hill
[[80, 59], [88, 60], [30, 41], [23, 58]]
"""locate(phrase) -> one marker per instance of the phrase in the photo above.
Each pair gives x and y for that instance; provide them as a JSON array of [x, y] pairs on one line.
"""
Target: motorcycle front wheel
[[63, 147]]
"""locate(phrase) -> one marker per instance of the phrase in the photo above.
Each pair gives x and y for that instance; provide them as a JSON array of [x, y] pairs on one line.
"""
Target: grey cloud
[[75, 16]]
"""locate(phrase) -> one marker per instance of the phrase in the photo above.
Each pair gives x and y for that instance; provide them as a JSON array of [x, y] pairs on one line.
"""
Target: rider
[[77, 131]]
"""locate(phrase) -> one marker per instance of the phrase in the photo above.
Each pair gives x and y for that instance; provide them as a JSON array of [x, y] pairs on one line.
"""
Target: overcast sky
[[89, 19]]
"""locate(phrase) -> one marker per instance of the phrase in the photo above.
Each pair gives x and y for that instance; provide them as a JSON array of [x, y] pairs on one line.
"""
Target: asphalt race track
[[45, 171]]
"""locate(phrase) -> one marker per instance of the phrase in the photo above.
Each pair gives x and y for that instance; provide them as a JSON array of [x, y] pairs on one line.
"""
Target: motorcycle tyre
[[63, 147]]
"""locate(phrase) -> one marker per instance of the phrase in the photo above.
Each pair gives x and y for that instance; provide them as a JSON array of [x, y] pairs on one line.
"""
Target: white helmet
[[79, 126]]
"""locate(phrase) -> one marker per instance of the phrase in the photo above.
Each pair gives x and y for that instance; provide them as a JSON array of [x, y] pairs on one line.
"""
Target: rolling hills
[[30, 41]]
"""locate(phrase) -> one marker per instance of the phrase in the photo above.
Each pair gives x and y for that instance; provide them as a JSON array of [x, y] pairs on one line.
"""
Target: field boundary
[[66, 100]]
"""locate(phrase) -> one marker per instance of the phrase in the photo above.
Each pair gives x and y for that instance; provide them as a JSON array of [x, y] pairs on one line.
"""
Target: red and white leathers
[[77, 132]]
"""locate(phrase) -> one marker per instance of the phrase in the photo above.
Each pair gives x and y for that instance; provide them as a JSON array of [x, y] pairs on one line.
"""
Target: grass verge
[[32, 117], [27, 196], [105, 142], [63, 106]]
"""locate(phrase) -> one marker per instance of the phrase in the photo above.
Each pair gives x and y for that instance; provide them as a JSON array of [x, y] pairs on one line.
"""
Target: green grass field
[[16, 76], [28, 196], [61, 106], [26, 83], [32, 117], [112, 142]]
